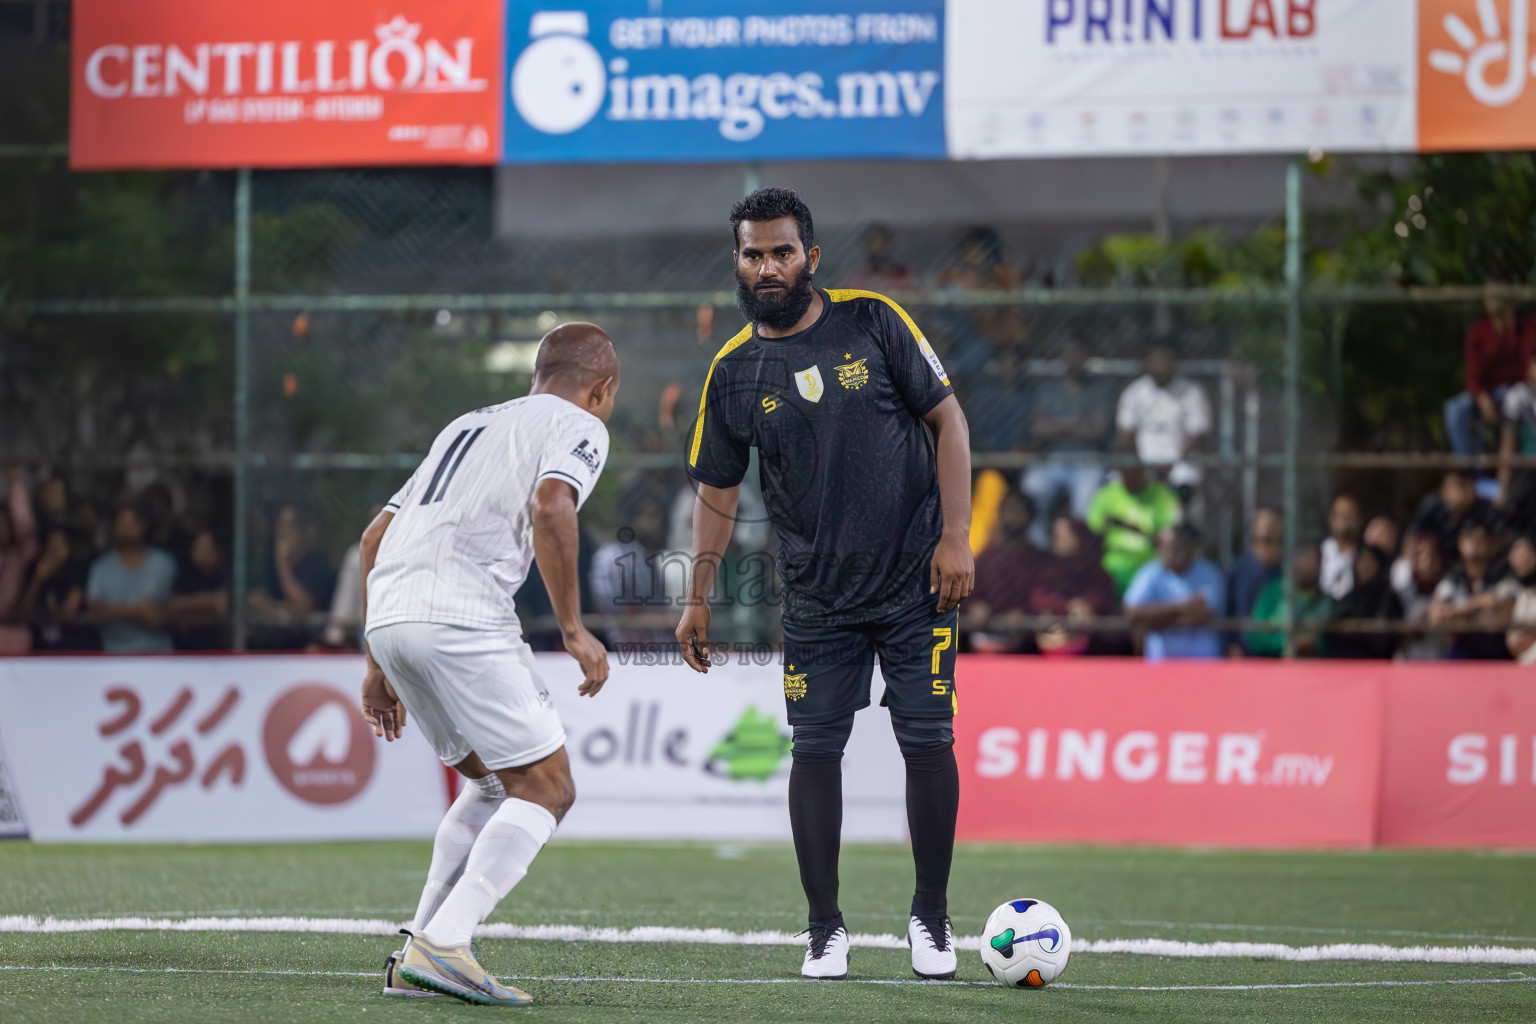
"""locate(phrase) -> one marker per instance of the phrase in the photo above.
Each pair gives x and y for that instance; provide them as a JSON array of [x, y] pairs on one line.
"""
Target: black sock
[[933, 801], [816, 817]]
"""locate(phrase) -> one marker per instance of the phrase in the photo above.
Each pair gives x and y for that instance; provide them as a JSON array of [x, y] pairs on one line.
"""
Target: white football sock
[[476, 803], [499, 860]]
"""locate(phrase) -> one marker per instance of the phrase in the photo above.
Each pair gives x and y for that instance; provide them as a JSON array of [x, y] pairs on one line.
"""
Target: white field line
[[1226, 926], [1297, 929], [723, 937], [802, 981]]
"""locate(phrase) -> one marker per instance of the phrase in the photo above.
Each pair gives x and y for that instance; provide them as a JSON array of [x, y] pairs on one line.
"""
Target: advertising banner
[[265, 748], [270, 748], [1226, 753], [1268, 754], [1476, 88], [12, 824], [166, 83], [663, 752], [1107, 77], [632, 80], [285, 83], [1460, 757]]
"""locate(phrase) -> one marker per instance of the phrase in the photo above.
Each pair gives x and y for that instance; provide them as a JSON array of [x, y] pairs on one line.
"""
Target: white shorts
[[470, 690]]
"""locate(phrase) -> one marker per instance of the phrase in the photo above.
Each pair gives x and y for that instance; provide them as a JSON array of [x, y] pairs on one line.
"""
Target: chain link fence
[[238, 345]]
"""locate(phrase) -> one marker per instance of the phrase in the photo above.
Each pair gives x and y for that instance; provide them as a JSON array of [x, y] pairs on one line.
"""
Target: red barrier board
[[285, 83], [1226, 753], [1459, 761]]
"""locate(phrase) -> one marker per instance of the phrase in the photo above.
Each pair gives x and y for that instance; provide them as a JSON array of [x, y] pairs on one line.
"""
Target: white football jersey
[[461, 541]]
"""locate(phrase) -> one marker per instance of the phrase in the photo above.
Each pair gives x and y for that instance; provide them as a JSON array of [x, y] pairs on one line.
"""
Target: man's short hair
[[134, 505], [770, 204], [1477, 519]]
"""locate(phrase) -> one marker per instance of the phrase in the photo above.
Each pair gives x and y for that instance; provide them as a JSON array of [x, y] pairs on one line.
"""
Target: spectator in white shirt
[[1341, 546], [1415, 577], [1166, 414]]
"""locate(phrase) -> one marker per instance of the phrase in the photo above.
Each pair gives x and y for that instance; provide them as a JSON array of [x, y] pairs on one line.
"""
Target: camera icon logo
[[558, 82]]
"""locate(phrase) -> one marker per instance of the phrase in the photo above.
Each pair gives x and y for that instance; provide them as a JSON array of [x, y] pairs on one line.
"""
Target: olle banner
[[170, 83]]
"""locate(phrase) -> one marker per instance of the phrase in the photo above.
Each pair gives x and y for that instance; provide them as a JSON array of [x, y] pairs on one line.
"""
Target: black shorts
[[828, 669]]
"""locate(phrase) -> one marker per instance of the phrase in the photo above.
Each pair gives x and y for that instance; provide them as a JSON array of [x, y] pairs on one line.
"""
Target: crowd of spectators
[[134, 576], [1459, 582], [1093, 548]]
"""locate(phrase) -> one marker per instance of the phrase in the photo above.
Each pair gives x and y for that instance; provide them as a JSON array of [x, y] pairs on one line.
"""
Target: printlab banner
[[1106, 77]]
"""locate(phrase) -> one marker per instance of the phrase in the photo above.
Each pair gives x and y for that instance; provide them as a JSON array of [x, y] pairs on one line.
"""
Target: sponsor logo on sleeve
[[933, 360], [586, 451]]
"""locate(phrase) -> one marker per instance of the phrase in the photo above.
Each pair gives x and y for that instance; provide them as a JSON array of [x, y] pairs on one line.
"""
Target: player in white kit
[[500, 487]]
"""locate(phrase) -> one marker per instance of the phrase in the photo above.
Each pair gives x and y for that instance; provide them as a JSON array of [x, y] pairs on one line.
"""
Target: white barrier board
[[273, 748]]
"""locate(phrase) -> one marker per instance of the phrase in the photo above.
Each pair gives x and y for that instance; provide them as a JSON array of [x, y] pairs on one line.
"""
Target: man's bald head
[[581, 353], [577, 362]]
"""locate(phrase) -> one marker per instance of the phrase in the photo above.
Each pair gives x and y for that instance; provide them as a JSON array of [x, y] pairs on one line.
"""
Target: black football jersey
[[846, 464]]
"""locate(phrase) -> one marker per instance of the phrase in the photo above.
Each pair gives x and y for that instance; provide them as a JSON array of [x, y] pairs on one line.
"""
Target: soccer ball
[[1026, 944]]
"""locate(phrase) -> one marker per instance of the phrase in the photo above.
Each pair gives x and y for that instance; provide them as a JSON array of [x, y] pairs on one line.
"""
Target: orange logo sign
[[1477, 79]]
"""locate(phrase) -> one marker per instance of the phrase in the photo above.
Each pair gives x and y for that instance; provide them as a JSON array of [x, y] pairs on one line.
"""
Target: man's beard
[[779, 309]]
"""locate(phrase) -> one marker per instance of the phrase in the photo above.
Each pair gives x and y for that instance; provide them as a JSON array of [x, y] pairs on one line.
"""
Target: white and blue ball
[[1026, 944]]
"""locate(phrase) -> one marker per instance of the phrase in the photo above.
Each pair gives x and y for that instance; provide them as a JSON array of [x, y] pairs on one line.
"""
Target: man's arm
[[381, 705], [1192, 611], [952, 573], [296, 597], [198, 607], [714, 516], [144, 614], [556, 547]]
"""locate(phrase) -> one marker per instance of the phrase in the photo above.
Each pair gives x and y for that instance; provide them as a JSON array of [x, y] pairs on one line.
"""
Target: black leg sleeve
[[933, 802], [816, 811]]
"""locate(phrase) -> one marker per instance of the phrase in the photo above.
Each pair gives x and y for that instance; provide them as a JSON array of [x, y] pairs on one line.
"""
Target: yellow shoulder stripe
[[844, 294], [698, 427]]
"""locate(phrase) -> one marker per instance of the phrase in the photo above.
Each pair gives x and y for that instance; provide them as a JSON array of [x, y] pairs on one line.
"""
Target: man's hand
[[1193, 611], [693, 635], [147, 614], [952, 573], [1487, 407], [592, 656], [381, 707]]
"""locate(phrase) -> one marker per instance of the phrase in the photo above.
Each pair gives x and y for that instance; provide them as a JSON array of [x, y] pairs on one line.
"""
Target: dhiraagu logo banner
[[702, 80]]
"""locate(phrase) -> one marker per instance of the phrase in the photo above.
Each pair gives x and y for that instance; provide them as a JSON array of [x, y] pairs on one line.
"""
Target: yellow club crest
[[794, 684], [853, 375], [809, 383]]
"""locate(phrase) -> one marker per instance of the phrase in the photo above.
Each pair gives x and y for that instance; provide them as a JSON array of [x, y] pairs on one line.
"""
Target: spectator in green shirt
[[1312, 605], [1128, 512]]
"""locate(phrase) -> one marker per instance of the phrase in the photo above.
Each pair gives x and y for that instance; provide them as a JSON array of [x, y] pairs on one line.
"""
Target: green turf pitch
[[1443, 899]]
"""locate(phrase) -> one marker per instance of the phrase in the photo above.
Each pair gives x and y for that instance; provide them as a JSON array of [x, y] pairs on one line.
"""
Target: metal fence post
[[1293, 288], [241, 541]]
